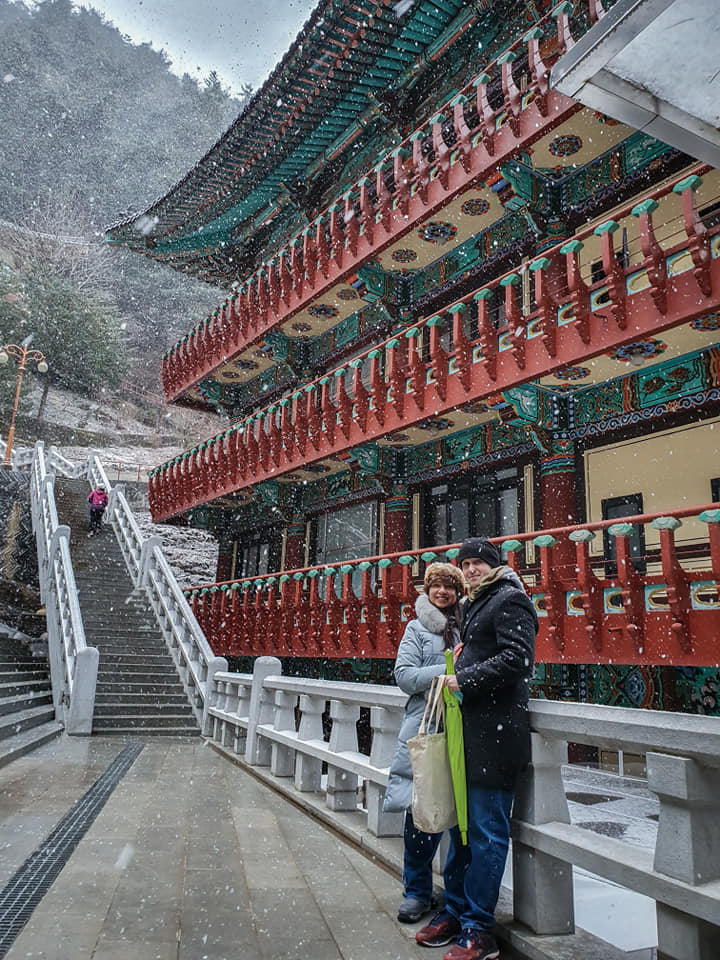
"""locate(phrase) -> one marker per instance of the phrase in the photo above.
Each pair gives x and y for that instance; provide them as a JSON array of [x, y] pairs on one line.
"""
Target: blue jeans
[[473, 872], [420, 848]]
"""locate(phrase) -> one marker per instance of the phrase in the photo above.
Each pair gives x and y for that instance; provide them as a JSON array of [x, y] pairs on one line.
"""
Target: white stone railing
[[73, 664], [275, 722], [151, 574]]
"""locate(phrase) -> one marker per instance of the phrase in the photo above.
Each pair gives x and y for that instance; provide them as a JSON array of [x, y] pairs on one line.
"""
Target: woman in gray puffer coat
[[420, 657]]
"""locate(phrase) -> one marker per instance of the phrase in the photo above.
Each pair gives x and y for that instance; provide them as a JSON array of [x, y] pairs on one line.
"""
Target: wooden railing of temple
[[411, 375], [598, 608], [467, 139]]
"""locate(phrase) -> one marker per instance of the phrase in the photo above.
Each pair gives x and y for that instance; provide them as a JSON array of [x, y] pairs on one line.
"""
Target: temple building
[[453, 301]]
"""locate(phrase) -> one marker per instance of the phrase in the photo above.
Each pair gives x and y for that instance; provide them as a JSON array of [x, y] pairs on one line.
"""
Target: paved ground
[[190, 859]]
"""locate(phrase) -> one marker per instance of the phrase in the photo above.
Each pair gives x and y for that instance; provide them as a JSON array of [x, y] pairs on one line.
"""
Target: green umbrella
[[456, 750]]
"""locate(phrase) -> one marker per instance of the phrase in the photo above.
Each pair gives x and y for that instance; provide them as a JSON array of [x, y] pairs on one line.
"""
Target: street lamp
[[24, 355]]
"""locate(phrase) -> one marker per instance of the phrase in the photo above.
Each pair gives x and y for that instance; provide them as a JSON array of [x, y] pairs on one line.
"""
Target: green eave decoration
[[452, 553], [545, 540], [384, 563], [428, 556], [406, 561], [365, 565], [511, 546], [346, 568], [620, 530]]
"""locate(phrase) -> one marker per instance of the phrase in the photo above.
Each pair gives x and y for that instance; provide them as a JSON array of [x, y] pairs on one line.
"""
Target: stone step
[[21, 743], [131, 706], [12, 676], [134, 721], [21, 687], [24, 701], [24, 720], [149, 731], [157, 698], [13, 666], [127, 665], [110, 678]]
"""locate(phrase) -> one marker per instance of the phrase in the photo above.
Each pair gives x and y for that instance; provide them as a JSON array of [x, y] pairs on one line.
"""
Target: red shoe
[[442, 930], [474, 945]]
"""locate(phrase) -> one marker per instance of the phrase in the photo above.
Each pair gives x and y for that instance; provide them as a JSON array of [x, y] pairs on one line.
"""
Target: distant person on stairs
[[98, 500]]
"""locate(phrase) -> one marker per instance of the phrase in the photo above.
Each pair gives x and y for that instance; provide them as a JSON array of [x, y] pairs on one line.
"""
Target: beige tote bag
[[433, 799]]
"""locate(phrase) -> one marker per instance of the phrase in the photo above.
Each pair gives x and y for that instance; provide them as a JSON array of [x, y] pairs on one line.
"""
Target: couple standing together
[[492, 634]]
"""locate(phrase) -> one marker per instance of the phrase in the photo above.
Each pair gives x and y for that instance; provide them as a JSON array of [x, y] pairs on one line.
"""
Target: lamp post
[[24, 355]]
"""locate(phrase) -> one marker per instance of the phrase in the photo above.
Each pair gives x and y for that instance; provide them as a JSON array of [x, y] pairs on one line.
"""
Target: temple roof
[[312, 106]]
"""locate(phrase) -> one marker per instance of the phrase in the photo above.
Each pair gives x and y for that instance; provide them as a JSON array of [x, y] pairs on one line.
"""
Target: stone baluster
[[697, 234], [261, 711], [385, 723], [542, 884], [342, 785], [282, 757], [687, 848], [308, 770]]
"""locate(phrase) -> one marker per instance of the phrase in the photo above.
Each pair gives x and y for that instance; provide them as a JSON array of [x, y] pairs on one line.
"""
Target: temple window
[[484, 506]]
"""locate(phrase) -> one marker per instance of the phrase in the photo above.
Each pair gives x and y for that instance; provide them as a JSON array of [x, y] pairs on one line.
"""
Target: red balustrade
[[573, 320], [419, 181], [655, 609]]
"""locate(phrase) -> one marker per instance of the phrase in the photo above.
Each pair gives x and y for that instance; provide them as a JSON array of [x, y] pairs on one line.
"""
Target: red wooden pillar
[[397, 532], [295, 546], [557, 490], [224, 561]]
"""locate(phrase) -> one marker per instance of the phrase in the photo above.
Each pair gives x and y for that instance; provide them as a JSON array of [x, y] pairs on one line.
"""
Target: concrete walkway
[[190, 859]]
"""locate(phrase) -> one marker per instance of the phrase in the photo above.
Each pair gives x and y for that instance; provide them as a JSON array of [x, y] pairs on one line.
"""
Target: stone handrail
[[73, 665], [275, 722], [151, 574]]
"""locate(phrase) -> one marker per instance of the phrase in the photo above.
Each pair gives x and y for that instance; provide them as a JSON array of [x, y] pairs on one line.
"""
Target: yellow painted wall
[[672, 469]]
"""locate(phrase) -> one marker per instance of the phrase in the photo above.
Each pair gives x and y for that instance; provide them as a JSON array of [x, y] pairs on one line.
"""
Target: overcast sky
[[241, 39]]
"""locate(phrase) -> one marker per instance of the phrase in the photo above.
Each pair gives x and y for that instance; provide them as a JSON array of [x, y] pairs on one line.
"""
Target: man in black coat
[[492, 671]]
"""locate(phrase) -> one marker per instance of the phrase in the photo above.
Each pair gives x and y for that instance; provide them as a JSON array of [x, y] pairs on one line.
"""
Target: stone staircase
[[138, 691], [27, 716]]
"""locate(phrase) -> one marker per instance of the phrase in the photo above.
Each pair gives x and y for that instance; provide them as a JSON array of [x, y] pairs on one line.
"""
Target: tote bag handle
[[434, 715]]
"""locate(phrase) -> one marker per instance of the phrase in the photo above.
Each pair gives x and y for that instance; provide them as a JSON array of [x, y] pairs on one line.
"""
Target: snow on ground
[[191, 553]]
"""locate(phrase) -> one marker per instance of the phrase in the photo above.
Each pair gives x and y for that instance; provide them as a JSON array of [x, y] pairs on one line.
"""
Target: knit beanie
[[446, 574], [479, 548]]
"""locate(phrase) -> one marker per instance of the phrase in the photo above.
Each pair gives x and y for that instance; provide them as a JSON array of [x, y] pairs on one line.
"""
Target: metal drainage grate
[[26, 888]]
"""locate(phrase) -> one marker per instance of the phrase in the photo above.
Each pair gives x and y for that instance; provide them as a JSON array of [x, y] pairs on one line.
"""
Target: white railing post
[[308, 770], [341, 785], [542, 884], [82, 703], [257, 750], [146, 553], [282, 757], [214, 665], [687, 848], [385, 724]]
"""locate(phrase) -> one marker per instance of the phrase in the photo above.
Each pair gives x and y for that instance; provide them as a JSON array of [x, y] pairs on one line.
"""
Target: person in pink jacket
[[98, 500]]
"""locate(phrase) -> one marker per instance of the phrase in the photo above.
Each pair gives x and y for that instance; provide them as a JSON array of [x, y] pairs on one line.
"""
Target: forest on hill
[[94, 128]]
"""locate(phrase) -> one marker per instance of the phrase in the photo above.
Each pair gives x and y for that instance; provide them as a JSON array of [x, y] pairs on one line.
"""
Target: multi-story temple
[[454, 302]]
